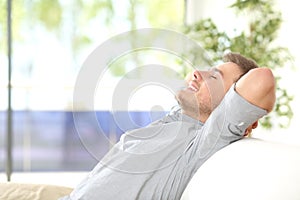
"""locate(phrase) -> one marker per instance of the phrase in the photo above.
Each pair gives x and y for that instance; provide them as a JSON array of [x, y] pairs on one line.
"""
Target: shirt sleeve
[[227, 123]]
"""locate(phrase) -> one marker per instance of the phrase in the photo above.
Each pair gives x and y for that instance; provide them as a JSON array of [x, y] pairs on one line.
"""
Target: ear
[[254, 125]]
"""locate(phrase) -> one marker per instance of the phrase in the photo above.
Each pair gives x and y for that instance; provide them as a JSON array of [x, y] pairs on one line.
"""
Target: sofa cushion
[[248, 169], [18, 191]]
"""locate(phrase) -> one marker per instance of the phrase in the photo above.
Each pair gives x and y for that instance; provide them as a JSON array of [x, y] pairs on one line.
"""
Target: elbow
[[267, 78], [267, 86], [258, 87], [264, 79]]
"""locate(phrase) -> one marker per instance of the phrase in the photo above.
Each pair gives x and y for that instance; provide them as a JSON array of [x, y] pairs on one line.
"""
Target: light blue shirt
[[158, 161]]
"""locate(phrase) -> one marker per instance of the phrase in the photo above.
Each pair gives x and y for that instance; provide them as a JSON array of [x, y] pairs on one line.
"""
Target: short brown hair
[[244, 63]]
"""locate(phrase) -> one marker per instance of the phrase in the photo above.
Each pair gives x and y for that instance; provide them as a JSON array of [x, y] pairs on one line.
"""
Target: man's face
[[206, 89]]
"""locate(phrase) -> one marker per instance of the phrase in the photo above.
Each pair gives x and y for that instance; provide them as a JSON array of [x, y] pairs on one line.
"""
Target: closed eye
[[216, 72]]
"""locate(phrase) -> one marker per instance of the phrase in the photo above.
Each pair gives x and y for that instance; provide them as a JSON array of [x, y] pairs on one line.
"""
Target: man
[[218, 107]]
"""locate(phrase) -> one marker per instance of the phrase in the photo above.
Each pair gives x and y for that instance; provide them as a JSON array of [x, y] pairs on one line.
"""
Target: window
[[51, 40]]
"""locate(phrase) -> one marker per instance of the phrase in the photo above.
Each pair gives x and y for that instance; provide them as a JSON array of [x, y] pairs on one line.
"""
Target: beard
[[193, 107]]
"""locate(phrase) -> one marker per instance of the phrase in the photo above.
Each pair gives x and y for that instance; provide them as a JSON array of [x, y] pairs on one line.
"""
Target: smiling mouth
[[192, 87]]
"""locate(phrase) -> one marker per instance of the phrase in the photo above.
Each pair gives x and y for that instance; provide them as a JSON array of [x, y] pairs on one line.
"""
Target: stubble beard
[[192, 107]]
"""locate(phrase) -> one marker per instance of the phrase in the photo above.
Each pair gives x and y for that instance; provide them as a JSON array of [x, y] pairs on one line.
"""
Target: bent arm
[[258, 88]]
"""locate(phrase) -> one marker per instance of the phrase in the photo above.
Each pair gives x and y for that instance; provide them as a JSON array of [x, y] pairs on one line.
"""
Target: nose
[[197, 75]]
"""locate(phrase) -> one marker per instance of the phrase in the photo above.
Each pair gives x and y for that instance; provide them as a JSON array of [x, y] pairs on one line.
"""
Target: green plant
[[256, 42]]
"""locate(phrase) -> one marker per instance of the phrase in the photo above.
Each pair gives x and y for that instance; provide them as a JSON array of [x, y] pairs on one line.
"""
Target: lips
[[193, 86]]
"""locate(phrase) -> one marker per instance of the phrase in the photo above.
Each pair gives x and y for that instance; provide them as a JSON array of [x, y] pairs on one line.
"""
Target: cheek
[[227, 85], [204, 96], [216, 92]]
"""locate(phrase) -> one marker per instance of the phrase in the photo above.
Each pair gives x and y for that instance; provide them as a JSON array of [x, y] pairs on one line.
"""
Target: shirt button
[[241, 123]]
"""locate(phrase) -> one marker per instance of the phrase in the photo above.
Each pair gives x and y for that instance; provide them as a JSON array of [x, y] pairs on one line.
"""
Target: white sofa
[[250, 169]]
